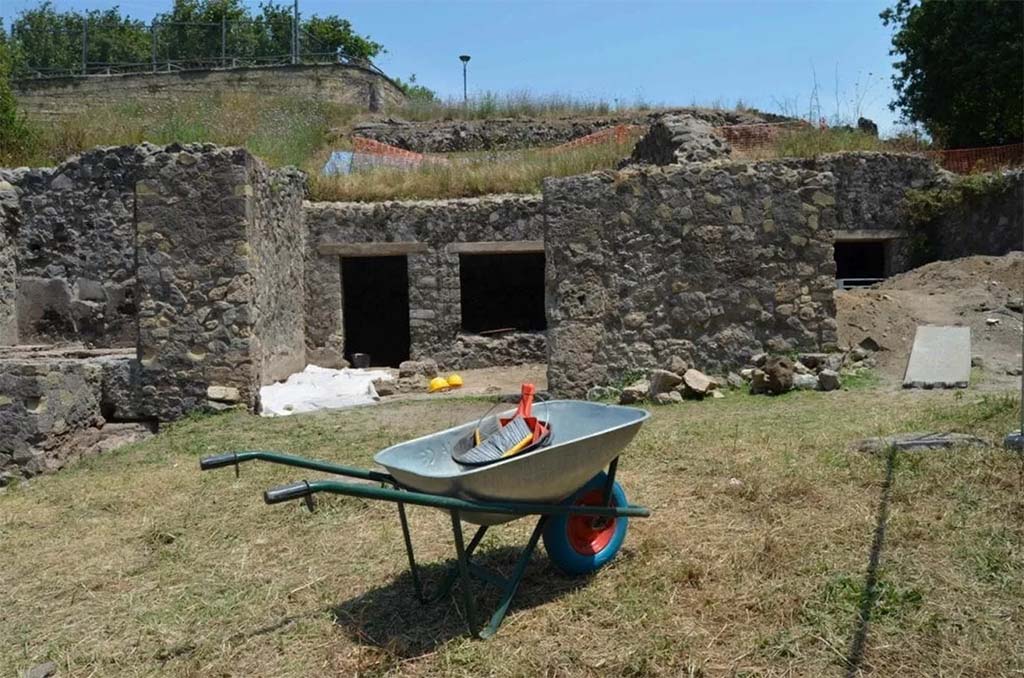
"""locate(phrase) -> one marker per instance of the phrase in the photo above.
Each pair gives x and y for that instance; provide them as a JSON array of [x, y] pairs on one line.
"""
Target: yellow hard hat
[[454, 380], [437, 384]]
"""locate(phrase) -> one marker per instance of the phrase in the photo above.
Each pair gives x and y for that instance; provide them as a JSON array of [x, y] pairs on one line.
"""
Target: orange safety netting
[[620, 134], [747, 137], [969, 160]]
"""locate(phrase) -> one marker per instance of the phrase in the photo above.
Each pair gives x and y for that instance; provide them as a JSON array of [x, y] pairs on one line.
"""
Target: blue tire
[[580, 544]]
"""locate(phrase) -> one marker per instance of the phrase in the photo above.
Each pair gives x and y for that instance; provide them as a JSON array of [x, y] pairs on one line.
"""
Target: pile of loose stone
[[766, 375], [413, 377]]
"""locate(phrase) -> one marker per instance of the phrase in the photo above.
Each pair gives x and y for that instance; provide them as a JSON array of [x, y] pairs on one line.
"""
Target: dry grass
[[471, 175], [517, 104], [281, 130], [134, 563]]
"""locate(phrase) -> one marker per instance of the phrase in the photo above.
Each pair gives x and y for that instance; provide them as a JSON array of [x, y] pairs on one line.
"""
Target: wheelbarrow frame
[[390, 489]]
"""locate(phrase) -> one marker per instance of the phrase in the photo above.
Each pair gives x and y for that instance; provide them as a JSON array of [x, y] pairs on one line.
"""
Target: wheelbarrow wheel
[[582, 544]]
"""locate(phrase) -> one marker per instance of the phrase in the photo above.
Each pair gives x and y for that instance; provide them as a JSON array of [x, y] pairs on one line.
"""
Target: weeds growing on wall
[[924, 207], [472, 175], [811, 141]]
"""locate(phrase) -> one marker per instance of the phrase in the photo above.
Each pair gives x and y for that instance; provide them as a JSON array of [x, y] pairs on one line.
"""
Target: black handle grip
[[218, 461], [276, 495]]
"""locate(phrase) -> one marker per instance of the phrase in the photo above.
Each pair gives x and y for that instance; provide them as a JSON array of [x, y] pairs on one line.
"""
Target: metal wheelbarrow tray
[[583, 513]]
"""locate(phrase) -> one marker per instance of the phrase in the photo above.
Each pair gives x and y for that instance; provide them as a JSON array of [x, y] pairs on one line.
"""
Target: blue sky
[[765, 54]]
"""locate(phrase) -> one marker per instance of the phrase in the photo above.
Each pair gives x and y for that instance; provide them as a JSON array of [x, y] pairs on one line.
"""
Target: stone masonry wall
[[278, 238], [43, 405], [8, 268], [870, 191], [201, 210], [675, 139], [51, 98], [57, 404], [75, 247], [522, 132], [435, 314], [870, 187], [710, 263], [990, 224]]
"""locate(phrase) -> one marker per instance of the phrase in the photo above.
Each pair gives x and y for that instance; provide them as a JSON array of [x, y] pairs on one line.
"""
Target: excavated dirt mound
[[983, 293]]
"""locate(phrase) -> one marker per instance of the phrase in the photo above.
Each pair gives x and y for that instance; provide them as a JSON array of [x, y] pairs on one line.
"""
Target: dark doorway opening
[[375, 306], [860, 262], [502, 291]]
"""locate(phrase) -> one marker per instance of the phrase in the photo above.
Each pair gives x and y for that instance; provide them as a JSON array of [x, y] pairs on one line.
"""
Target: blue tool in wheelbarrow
[[557, 475]]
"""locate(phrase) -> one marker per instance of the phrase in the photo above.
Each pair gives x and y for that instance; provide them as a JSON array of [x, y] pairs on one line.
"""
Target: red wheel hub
[[589, 535]]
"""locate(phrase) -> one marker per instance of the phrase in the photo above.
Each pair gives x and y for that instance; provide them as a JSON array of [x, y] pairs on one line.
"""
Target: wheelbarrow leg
[[413, 570], [445, 585], [512, 583], [464, 580], [609, 481]]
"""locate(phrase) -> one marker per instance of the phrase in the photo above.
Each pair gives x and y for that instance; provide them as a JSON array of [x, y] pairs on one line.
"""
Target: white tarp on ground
[[320, 388]]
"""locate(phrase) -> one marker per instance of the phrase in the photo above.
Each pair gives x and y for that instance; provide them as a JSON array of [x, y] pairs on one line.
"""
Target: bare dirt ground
[[486, 381], [971, 292]]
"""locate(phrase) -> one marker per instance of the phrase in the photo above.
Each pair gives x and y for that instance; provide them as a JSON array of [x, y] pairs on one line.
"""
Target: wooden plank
[[497, 247], [865, 235], [372, 249]]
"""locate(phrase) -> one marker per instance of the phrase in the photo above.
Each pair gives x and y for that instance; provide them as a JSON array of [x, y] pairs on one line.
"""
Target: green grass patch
[[753, 562], [810, 142]]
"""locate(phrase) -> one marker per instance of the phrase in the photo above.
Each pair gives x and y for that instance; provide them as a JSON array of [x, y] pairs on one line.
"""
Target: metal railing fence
[[93, 48]]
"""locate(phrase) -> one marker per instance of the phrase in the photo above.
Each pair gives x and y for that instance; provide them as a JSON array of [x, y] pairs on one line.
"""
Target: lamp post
[[464, 58]]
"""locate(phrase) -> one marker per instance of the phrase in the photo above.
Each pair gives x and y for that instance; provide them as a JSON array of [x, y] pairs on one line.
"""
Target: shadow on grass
[[392, 618], [869, 596]]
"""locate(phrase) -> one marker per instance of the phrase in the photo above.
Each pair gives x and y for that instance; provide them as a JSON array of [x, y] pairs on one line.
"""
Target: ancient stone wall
[[55, 404], [438, 227], [870, 187], [710, 263], [336, 83], [675, 139], [511, 133], [278, 241], [75, 247], [43, 403], [8, 267], [201, 212], [991, 223]]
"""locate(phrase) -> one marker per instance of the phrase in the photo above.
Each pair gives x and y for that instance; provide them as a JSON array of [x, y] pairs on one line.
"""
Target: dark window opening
[[502, 292], [375, 307], [860, 262]]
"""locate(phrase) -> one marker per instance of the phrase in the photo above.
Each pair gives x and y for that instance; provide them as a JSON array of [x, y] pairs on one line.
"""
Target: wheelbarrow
[[582, 511]]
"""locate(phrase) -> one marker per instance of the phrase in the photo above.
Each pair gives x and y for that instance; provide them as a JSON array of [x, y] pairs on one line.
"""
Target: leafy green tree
[[332, 34], [15, 134], [416, 92], [48, 39], [961, 69], [192, 32], [44, 38]]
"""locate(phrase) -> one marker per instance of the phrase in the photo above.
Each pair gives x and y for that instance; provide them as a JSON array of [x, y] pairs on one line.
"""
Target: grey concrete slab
[[940, 358]]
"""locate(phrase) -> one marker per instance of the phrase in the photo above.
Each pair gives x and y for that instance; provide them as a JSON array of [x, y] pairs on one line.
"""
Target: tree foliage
[[961, 69], [415, 91], [15, 134], [192, 31]]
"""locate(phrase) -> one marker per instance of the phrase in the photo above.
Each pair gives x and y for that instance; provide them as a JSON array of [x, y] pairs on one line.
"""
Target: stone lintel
[[372, 249], [866, 235], [497, 247]]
